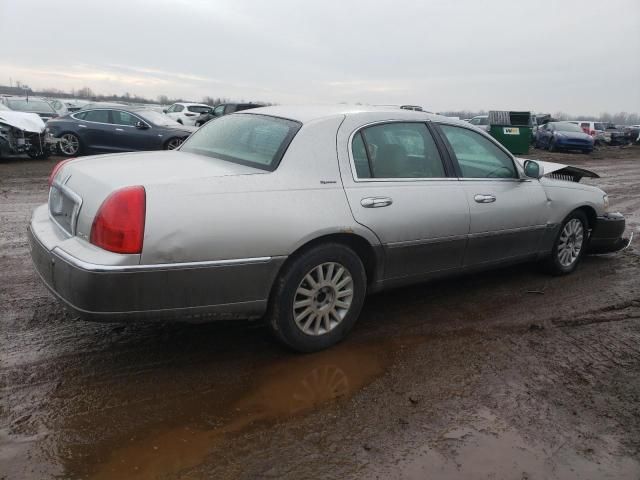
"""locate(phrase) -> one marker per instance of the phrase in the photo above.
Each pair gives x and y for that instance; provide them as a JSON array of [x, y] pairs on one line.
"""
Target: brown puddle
[[288, 387]]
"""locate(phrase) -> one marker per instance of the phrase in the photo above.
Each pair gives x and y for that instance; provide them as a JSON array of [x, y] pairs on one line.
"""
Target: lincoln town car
[[294, 214]]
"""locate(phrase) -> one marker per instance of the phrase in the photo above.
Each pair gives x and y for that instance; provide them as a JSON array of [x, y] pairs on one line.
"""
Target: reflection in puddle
[[289, 387]]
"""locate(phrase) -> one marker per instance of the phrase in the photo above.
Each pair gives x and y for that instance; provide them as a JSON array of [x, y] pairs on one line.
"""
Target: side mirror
[[164, 110], [533, 169], [141, 125]]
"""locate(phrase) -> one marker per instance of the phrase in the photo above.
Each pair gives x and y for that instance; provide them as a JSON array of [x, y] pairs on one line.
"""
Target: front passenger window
[[478, 156]]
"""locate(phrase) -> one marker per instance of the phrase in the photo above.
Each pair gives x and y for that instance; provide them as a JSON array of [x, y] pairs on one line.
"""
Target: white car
[[187, 113], [480, 121]]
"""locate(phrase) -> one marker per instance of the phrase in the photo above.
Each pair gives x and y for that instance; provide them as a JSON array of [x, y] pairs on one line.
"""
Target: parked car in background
[[116, 129], [563, 136], [480, 121], [73, 105], [223, 109], [595, 129], [22, 132], [58, 105], [617, 134], [92, 105], [36, 105], [187, 113], [297, 213]]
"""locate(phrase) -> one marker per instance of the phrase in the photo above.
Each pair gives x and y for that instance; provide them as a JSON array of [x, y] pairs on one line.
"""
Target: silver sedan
[[295, 214]]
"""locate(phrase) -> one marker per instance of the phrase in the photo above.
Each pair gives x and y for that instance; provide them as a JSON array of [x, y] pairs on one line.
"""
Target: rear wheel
[[69, 145], [570, 244], [317, 298], [552, 145]]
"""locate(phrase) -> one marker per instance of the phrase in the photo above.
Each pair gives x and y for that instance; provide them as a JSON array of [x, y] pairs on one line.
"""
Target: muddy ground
[[510, 374]]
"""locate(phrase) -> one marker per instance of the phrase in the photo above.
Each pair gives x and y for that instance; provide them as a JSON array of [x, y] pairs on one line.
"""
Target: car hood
[[180, 128], [574, 135], [559, 170], [28, 122]]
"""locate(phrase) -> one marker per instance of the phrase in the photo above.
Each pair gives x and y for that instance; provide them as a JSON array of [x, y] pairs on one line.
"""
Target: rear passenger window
[[360, 159], [101, 116], [397, 150], [478, 156]]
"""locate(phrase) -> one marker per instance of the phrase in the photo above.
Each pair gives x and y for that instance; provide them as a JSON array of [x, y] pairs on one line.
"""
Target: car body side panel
[[424, 229], [253, 215]]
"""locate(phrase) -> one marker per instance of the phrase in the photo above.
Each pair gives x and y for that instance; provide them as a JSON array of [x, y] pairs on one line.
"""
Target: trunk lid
[[83, 184]]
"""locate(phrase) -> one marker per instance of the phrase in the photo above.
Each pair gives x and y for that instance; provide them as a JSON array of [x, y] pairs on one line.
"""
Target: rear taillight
[[592, 133], [119, 223], [56, 169]]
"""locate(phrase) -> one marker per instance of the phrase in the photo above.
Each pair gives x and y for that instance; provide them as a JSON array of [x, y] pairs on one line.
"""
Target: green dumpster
[[511, 129]]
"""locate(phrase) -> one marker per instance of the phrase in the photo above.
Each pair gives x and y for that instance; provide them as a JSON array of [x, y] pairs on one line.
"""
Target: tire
[[180, 121], [325, 312], [173, 143], [560, 262], [552, 145], [67, 141]]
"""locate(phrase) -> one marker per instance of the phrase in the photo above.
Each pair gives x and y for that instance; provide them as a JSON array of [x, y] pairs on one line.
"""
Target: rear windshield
[[254, 140], [30, 106], [199, 109], [568, 127]]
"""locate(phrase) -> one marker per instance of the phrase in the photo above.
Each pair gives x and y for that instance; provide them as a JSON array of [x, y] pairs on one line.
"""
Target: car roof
[[310, 113]]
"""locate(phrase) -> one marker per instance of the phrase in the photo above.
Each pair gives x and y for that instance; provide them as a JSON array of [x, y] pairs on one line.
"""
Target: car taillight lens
[[56, 169], [592, 133], [119, 223]]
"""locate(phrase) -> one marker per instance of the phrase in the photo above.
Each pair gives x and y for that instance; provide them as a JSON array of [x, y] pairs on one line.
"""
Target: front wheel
[[69, 145], [173, 143], [317, 298], [570, 244]]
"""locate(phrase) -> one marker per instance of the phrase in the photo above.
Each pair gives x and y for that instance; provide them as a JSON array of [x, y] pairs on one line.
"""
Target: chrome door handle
[[482, 198], [119, 130], [82, 126], [376, 202]]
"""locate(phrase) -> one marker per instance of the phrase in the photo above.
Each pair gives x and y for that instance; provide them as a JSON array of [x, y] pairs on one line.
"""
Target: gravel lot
[[511, 374]]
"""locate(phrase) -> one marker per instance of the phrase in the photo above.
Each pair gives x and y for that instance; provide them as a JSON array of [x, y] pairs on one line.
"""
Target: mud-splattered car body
[[217, 231]]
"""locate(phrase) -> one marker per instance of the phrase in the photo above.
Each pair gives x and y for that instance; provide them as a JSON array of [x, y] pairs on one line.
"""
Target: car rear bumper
[[606, 235], [195, 291]]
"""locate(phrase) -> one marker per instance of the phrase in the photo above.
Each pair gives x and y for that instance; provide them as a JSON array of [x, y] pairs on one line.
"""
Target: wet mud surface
[[509, 374]]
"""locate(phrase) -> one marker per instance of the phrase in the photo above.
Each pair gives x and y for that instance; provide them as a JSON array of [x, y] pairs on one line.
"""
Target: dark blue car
[[563, 136], [116, 129]]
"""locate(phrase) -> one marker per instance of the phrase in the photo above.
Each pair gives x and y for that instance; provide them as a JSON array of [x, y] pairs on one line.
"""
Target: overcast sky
[[576, 56]]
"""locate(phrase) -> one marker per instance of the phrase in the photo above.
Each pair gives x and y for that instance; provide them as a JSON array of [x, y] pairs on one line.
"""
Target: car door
[[507, 213], [401, 188], [128, 136], [99, 132]]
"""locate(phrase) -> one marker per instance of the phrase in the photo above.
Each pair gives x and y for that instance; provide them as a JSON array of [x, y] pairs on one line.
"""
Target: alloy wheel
[[323, 298], [570, 243], [69, 144], [174, 143]]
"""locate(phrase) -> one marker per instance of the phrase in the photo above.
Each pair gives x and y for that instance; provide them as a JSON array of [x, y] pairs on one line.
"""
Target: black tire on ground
[[70, 154], [552, 145], [554, 264], [285, 292], [172, 143]]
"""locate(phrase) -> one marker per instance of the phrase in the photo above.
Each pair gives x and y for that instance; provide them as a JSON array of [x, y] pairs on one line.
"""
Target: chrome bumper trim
[[93, 267]]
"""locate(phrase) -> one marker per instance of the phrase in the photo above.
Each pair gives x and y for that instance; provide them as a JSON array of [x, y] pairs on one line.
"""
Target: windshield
[[254, 140], [157, 118], [568, 127], [598, 126], [30, 106]]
